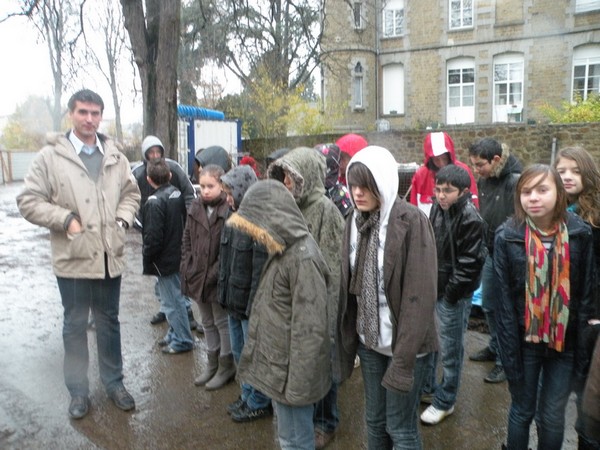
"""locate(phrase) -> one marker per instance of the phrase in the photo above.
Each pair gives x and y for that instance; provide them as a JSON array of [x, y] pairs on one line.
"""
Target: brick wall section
[[530, 143]]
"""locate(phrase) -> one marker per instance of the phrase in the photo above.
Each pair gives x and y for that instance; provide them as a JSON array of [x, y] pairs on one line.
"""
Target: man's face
[[482, 166], [447, 195], [86, 118], [154, 153]]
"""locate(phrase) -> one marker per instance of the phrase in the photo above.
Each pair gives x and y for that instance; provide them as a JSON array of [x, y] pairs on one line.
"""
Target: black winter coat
[[241, 261], [497, 196], [164, 221], [461, 251], [510, 264]]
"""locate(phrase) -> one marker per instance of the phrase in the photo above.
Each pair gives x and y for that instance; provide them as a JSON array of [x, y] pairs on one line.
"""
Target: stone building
[[416, 63]]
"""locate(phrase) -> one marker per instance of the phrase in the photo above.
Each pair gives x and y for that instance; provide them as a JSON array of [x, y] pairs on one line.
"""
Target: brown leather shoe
[[322, 438]]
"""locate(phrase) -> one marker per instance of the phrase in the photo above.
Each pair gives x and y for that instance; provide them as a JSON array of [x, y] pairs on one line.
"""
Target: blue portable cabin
[[201, 128]]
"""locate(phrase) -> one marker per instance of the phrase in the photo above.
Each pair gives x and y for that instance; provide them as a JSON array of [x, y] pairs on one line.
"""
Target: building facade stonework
[[412, 63]]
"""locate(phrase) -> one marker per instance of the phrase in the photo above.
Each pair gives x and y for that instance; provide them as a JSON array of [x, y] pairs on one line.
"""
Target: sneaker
[[497, 375], [157, 318], [245, 414], [433, 416], [235, 406], [322, 438], [485, 354]]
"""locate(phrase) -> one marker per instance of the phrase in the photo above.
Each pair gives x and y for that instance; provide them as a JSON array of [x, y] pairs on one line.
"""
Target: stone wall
[[530, 143]]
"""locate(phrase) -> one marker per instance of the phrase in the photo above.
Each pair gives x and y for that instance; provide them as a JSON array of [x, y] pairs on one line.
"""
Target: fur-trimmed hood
[[269, 214], [507, 164]]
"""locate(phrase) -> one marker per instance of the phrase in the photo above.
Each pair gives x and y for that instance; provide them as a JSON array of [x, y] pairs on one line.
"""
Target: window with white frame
[[508, 87], [393, 89], [393, 18], [586, 5], [461, 13], [461, 91], [586, 72], [357, 86], [357, 11]]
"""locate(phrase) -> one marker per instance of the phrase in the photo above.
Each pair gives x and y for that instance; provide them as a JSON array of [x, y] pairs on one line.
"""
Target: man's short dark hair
[[158, 171], [486, 148], [85, 96], [453, 175]]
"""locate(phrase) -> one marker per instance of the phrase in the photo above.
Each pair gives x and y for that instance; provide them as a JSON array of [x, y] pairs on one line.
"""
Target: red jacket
[[423, 182]]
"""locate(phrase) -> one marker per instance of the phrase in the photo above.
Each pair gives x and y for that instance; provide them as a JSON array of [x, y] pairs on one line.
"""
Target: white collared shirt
[[78, 143]]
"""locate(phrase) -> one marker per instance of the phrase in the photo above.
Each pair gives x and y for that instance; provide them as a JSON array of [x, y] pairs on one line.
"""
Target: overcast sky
[[25, 69]]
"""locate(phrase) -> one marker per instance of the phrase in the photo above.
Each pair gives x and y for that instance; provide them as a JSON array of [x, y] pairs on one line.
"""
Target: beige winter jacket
[[58, 185]]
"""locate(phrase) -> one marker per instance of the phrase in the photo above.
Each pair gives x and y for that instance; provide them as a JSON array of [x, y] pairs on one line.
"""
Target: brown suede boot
[[211, 369], [224, 375]]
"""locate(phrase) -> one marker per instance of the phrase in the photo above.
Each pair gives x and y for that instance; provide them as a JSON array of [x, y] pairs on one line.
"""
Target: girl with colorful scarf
[[544, 262]]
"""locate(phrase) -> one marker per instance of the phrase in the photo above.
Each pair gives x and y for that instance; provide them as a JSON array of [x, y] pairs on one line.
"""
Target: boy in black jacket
[[460, 240], [164, 219]]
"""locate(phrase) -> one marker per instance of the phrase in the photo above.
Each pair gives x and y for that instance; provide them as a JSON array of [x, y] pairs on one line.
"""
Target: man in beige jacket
[[81, 188]]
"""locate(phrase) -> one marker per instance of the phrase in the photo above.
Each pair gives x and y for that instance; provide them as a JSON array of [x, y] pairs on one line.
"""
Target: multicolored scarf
[[547, 289]]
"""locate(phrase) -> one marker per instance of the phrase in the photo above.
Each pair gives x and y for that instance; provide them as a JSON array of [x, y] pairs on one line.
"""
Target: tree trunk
[[155, 43]]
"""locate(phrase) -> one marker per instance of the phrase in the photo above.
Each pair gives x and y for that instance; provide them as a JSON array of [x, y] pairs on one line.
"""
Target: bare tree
[[107, 23], [154, 37], [59, 25], [283, 36]]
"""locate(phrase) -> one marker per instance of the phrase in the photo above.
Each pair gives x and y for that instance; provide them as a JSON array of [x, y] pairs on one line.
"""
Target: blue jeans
[[173, 304], [295, 427], [188, 302], [102, 297], [452, 320], [489, 299], [326, 415], [542, 394], [391, 417], [238, 333]]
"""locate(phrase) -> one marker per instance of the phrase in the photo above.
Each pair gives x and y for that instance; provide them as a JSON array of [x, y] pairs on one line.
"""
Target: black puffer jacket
[[497, 194], [461, 251], [510, 264], [164, 220]]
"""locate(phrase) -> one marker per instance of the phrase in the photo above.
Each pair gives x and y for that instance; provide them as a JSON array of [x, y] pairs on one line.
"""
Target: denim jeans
[[173, 304], [391, 417], [238, 333], [542, 394], [102, 297], [188, 302], [326, 415], [489, 296], [295, 427], [452, 320]]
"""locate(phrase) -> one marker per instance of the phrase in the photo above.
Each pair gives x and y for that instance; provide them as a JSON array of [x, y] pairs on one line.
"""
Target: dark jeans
[[489, 294], [326, 415], [392, 420], [543, 393], [102, 296]]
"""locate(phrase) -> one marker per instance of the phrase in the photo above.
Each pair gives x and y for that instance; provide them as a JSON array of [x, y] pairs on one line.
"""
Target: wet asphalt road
[[171, 413]]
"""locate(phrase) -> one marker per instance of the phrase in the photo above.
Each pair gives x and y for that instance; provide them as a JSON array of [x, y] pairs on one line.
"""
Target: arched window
[[357, 86]]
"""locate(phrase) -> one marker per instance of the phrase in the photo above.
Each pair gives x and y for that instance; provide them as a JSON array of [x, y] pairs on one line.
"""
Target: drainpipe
[[377, 51], [553, 154]]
